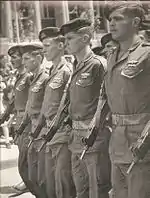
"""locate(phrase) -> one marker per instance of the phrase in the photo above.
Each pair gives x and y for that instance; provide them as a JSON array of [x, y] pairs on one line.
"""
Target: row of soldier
[[57, 170]]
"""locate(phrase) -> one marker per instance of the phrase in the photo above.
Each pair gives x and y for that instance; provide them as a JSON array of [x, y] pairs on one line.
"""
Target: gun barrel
[[83, 153], [42, 146], [31, 141], [130, 167]]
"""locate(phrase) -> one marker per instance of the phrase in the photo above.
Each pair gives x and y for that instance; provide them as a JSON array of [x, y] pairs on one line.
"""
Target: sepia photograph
[[75, 99]]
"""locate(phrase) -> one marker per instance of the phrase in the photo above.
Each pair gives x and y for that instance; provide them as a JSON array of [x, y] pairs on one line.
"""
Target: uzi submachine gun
[[141, 147], [99, 123], [60, 119]]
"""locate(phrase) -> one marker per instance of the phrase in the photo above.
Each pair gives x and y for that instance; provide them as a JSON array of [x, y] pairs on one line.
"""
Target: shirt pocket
[[21, 86], [56, 83], [85, 82]]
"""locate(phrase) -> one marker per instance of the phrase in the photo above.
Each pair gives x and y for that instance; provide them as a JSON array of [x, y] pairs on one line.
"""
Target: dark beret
[[74, 25], [137, 8], [31, 47], [106, 38], [145, 25], [49, 32], [14, 49]]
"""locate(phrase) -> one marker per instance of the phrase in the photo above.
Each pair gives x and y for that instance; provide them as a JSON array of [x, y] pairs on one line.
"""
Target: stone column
[[61, 13], [9, 27], [37, 15]]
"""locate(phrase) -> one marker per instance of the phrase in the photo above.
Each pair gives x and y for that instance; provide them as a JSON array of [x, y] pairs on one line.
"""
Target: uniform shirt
[[128, 80], [54, 90], [36, 94], [21, 89], [53, 93], [127, 85], [85, 87]]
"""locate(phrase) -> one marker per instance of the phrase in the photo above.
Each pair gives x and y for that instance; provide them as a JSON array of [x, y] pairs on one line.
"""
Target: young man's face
[[121, 25], [73, 42], [16, 60], [30, 62], [51, 48]]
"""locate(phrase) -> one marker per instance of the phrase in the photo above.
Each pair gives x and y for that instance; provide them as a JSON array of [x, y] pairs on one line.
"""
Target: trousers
[[59, 180], [134, 185]]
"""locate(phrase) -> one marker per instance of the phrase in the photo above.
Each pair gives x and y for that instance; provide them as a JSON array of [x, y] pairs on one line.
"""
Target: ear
[[60, 45], [86, 38], [136, 22]]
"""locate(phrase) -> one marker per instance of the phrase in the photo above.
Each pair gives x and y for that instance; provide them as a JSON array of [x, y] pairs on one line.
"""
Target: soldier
[[127, 86], [32, 60], [57, 155], [107, 43], [88, 72], [18, 102]]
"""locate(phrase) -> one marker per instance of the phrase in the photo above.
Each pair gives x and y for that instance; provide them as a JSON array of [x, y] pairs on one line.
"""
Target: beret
[[31, 47], [106, 38], [74, 25], [137, 7], [145, 25], [14, 49], [49, 32]]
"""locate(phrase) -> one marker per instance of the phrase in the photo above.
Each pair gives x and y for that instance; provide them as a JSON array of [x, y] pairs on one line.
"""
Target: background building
[[22, 20]]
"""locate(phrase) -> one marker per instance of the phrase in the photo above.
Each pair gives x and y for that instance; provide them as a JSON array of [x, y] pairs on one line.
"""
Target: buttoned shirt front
[[36, 94], [85, 88]]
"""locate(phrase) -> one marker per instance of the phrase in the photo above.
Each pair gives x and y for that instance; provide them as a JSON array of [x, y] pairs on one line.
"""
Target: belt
[[132, 119], [82, 125]]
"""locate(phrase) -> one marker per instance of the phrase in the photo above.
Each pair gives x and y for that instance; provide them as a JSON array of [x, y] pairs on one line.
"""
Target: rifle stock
[[37, 130], [60, 116], [97, 126], [141, 147]]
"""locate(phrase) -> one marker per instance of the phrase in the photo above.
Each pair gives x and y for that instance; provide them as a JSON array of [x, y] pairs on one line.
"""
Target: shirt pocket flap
[[85, 81], [21, 86], [132, 69], [56, 83]]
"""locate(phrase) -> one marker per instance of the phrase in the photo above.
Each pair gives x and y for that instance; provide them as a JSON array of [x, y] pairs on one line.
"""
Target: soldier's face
[[50, 47], [30, 62], [121, 25], [73, 42], [16, 60]]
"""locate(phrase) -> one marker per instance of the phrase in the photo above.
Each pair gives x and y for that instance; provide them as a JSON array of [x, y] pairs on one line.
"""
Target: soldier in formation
[[63, 109]]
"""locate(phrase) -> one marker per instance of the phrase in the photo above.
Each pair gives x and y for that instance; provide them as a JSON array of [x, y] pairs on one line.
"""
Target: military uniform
[[84, 95], [18, 103], [32, 112], [57, 154], [127, 87]]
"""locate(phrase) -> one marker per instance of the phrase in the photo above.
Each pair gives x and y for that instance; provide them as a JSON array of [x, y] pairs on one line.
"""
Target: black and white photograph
[[75, 99]]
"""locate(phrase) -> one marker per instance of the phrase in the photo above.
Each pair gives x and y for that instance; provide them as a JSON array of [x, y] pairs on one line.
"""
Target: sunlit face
[[30, 62], [51, 48], [16, 60], [121, 25], [73, 42]]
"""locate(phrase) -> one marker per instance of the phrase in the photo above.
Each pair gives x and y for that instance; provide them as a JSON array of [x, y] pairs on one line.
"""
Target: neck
[[82, 53], [36, 70], [125, 45], [57, 60], [21, 69]]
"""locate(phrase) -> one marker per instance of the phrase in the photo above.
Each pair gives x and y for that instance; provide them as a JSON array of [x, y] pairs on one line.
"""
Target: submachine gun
[[100, 121], [60, 119], [141, 147]]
